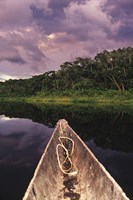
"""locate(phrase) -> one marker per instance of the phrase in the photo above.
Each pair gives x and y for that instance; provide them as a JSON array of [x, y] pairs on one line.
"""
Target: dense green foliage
[[108, 70]]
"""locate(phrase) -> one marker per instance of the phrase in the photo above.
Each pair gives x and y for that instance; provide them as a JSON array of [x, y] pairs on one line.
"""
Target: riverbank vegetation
[[107, 77], [98, 97]]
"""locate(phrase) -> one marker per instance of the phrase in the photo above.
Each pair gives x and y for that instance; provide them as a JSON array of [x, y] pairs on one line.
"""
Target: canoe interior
[[91, 182]]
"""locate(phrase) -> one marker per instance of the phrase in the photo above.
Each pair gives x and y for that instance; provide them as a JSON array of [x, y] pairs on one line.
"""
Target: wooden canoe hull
[[92, 182]]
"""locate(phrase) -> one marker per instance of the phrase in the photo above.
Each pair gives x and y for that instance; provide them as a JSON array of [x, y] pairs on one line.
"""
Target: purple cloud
[[40, 35]]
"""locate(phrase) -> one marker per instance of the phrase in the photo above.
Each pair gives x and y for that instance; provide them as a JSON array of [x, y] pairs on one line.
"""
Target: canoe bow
[[69, 170]]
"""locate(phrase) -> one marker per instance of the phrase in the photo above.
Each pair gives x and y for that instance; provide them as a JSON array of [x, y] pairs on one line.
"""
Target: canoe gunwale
[[91, 166]]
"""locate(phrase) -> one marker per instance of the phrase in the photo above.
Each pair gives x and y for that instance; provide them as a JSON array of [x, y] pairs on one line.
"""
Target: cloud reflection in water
[[21, 140]]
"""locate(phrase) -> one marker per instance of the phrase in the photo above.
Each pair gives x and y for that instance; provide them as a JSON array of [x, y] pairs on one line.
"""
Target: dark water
[[25, 130]]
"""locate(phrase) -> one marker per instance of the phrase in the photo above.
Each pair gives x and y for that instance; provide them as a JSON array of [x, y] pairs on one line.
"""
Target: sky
[[39, 35]]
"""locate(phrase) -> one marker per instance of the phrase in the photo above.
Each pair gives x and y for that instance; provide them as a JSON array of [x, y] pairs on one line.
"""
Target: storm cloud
[[39, 35]]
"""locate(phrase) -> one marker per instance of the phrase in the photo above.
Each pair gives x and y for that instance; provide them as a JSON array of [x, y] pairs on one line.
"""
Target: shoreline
[[124, 99]]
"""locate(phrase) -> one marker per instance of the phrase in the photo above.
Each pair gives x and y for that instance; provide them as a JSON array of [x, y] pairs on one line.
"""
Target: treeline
[[108, 70]]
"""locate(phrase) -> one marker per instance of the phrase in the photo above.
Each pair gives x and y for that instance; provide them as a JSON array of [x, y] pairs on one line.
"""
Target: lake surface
[[25, 130]]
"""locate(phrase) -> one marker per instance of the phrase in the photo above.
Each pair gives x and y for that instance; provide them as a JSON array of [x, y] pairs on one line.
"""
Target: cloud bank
[[39, 35]]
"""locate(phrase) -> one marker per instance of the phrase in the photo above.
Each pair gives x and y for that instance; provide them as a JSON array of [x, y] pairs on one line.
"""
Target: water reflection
[[21, 136], [25, 129], [109, 127], [21, 145], [118, 164]]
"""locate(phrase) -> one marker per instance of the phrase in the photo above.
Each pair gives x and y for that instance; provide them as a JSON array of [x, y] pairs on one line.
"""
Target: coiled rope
[[67, 154]]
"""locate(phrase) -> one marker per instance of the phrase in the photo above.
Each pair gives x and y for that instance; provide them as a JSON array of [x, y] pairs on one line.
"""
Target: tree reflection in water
[[27, 129]]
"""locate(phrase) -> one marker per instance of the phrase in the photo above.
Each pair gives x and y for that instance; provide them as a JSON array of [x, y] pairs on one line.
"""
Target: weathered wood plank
[[90, 180]]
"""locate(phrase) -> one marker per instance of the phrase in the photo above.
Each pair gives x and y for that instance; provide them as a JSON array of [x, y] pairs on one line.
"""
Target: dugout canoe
[[68, 170]]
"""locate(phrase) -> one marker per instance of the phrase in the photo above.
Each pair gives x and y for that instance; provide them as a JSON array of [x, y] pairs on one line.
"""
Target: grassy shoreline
[[92, 97]]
